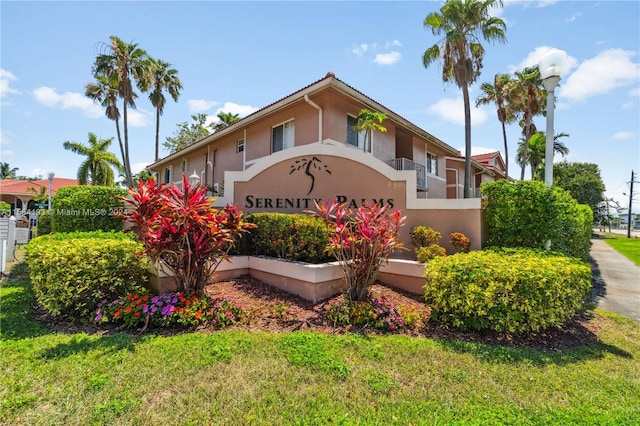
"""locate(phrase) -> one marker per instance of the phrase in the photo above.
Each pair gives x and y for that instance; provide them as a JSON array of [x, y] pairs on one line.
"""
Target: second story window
[[240, 146], [183, 166], [283, 136], [354, 138], [432, 163], [167, 175]]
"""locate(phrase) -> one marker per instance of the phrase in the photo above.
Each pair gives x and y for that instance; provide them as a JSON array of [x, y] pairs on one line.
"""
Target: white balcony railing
[[406, 164]]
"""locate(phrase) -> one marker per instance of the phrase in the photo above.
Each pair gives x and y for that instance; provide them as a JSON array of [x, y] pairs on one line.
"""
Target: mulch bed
[[273, 310]]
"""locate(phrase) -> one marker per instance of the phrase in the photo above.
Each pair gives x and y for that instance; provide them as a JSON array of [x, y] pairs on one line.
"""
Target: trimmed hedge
[[506, 290], [87, 208], [72, 274], [295, 237], [44, 222], [528, 214]]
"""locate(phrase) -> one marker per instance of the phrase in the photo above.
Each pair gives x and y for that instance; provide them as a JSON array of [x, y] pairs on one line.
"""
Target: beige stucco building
[[303, 147]]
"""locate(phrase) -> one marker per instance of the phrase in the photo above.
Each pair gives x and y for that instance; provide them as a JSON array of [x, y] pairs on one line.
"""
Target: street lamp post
[[550, 65], [194, 179], [51, 175]]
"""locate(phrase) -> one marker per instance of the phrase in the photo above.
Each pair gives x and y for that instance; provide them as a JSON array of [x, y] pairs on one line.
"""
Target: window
[[283, 136], [240, 146], [432, 164], [167, 175], [183, 166], [354, 138]]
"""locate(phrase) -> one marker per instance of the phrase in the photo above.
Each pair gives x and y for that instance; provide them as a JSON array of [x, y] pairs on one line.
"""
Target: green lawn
[[630, 247], [257, 378]]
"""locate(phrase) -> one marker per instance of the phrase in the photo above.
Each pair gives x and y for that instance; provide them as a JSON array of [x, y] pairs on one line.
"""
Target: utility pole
[[630, 206]]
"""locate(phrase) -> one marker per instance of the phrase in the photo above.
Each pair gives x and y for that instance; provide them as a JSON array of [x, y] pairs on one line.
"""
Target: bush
[[44, 222], [5, 209], [528, 214], [506, 290], [295, 237], [425, 254], [87, 208], [71, 276], [426, 240]]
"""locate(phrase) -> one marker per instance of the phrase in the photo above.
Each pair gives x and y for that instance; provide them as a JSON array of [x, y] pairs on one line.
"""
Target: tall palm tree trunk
[[127, 164], [467, 141], [506, 150], [525, 151], [157, 132]]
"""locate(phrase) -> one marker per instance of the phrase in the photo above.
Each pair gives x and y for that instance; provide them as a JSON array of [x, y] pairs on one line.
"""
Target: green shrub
[[5, 209], [295, 237], [425, 254], [506, 290], [87, 208], [423, 236], [528, 214], [71, 276], [44, 222], [79, 235]]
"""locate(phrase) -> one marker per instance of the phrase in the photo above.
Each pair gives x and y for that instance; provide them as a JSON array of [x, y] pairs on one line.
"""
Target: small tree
[[360, 240], [368, 121], [180, 230]]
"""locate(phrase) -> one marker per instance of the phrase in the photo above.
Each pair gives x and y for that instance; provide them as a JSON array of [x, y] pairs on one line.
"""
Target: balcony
[[406, 164]]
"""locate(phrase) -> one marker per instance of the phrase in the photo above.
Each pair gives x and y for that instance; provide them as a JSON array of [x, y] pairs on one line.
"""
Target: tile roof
[[21, 187]]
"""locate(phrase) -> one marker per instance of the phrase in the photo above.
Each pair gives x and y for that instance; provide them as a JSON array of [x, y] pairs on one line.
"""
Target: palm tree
[[226, 119], [536, 152], [123, 64], [7, 172], [105, 92], [497, 94], [461, 23], [527, 99], [162, 77], [96, 168]]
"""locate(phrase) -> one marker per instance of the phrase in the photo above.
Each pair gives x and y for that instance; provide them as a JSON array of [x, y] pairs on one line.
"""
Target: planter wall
[[309, 281]]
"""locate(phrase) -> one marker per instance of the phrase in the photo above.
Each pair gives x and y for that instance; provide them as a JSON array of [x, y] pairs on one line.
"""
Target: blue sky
[[240, 56]]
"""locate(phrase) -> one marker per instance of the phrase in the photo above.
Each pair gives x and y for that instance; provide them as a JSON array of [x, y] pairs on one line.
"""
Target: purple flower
[[145, 309], [167, 310], [98, 315]]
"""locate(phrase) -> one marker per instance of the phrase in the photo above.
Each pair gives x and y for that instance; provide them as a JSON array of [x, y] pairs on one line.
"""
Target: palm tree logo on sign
[[309, 165]]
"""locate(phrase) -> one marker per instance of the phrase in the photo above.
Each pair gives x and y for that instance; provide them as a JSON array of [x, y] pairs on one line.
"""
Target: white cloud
[[387, 58], [360, 49], [6, 153], [624, 135], [635, 92], [381, 52], [38, 172], [610, 69], [199, 105], [394, 43], [139, 117], [452, 110], [6, 78], [534, 57], [545, 3], [5, 137], [48, 96], [138, 167], [234, 108]]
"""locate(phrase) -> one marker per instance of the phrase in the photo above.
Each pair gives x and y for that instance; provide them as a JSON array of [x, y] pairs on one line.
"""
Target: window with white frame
[[168, 178], [354, 138], [240, 146], [432, 163], [183, 166], [283, 136]]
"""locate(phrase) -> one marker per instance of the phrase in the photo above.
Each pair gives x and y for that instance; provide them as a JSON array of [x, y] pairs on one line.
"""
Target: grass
[[629, 247], [240, 377]]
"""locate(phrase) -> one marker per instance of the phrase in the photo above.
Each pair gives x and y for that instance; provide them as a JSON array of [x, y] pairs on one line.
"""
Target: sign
[[22, 235]]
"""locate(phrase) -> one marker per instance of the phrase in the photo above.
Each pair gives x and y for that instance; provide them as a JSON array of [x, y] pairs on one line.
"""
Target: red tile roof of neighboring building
[[21, 187]]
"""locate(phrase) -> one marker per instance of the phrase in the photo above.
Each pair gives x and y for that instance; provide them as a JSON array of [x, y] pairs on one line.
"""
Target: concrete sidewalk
[[616, 281]]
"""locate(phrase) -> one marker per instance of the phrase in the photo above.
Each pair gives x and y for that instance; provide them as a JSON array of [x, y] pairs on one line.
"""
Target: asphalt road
[[616, 281]]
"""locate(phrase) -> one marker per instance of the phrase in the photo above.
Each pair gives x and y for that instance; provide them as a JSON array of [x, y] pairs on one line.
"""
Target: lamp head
[[194, 178], [552, 63], [51, 175]]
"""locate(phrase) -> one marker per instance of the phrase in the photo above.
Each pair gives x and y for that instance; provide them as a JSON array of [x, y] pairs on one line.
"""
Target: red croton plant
[[182, 231], [361, 240]]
